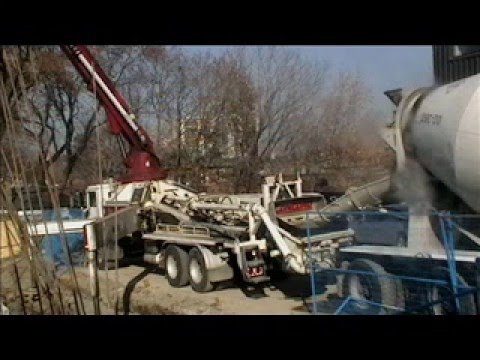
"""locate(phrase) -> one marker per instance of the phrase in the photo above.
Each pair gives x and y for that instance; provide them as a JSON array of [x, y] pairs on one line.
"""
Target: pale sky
[[381, 67]]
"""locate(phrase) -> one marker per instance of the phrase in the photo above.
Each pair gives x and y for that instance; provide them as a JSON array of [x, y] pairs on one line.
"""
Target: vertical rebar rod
[[49, 298], [17, 273], [60, 297], [312, 266], [39, 297], [22, 85]]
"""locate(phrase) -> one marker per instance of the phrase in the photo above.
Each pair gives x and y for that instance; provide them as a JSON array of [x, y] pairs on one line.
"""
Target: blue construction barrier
[[53, 248], [54, 251]]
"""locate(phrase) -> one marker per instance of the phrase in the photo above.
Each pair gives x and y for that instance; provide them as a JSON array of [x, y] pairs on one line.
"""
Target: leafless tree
[[251, 110], [66, 114], [15, 64], [285, 88]]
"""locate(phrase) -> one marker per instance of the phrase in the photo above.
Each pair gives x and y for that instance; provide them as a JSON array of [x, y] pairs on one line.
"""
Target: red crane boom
[[141, 161]]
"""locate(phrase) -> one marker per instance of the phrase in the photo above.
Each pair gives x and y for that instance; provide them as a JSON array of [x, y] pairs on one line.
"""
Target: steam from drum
[[412, 185]]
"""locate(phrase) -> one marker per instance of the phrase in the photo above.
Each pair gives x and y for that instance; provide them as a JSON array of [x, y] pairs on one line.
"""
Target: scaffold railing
[[399, 262]]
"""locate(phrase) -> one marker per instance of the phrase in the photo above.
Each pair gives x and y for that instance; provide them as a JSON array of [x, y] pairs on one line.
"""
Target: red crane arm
[[142, 162]]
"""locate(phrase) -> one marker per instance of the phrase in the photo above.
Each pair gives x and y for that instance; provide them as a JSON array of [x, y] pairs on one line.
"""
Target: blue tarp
[[53, 249], [52, 245]]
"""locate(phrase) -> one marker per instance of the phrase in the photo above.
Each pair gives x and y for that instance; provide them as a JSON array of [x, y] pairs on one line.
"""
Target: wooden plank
[[9, 235]]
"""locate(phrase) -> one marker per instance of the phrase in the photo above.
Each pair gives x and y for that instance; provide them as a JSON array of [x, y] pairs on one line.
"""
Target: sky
[[381, 67]]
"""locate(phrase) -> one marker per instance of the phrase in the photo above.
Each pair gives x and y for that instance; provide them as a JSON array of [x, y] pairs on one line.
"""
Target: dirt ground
[[28, 302], [144, 290]]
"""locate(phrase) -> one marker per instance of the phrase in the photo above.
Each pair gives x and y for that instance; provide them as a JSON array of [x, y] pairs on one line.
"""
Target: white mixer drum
[[444, 134]]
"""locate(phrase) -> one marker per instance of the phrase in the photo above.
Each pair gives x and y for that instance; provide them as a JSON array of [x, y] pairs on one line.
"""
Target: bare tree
[[67, 114], [233, 126], [15, 62], [249, 110], [286, 88], [342, 133]]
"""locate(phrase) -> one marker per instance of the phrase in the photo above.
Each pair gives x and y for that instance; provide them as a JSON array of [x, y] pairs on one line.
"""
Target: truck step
[[258, 279]]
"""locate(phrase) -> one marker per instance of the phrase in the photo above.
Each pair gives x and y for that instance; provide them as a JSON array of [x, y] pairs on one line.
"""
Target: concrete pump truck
[[200, 239]]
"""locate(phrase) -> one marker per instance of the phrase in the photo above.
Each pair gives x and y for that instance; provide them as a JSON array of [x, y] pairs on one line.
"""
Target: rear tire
[[376, 288], [276, 271], [176, 266], [437, 292], [197, 272]]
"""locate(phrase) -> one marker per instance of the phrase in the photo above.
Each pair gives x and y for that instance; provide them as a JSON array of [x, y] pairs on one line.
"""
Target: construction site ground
[[139, 289], [144, 290]]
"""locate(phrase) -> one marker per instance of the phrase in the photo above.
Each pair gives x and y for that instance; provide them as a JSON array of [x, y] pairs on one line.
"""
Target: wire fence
[[398, 262]]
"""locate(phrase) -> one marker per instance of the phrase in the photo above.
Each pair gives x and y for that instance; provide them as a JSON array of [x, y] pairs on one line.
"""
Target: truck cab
[[96, 196]]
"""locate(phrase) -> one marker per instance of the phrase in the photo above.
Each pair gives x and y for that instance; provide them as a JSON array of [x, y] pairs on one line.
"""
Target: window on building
[[462, 50]]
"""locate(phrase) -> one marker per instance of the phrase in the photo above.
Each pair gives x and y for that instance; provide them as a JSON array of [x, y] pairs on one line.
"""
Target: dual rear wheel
[[182, 268], [444, 299], [368, 282]]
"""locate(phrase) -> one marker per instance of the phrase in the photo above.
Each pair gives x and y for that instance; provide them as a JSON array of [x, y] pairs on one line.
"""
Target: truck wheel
[[197, 272], [438, 292], [276, 271], [376, 288], [176, 262]]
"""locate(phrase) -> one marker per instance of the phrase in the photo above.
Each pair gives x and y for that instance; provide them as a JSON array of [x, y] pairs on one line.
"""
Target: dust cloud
[[412, 185]]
